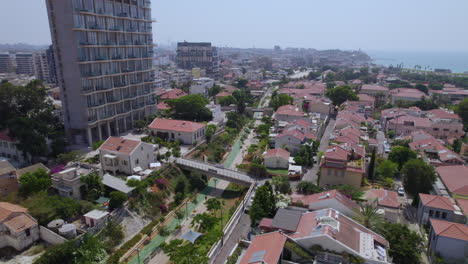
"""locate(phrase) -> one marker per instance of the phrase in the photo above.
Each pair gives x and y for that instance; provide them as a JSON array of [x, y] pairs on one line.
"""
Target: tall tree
[[369, 217], [371, 172], [400, 155], [406, 246], [418, 177], [263, 204], [191, 107], [282, 184], [307, 187], [341, 94], [279, 100]]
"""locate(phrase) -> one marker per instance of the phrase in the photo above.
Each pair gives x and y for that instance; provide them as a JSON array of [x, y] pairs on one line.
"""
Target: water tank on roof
[[55, 225], [68, 231]]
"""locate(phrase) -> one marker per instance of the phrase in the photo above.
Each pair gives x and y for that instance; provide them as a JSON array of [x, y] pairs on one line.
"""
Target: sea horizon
[[456, 61]]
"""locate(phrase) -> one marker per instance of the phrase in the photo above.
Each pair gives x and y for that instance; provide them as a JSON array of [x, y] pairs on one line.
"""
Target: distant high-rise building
[[198, 55], [103, 52], [51, 62], [41, 66], [24, 63], [6, 63]]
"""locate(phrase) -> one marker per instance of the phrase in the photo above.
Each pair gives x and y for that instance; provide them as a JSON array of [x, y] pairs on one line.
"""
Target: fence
[[227, 231], [50, 237]]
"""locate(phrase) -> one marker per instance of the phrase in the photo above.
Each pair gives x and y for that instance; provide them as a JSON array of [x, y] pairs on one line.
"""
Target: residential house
[[332, 231], [435, 152], [201, 86], [450, 240], [289, 113], [18, 229], [277, 158], [68, 181], [333, 199], [449, 95], [266, 248], [387, 201], [171, 94], [185, 131], [293, 139], [125, 155], [8, 180], [455, 179], [379, 92], [342, 164], [438, 207], [407, 95]]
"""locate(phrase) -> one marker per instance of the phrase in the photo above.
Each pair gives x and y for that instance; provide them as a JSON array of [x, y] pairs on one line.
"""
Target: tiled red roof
[[347, 233], [455, 178], [463, 204], [121, 145], [328, 195], [289, 110], [384, 197], [372, 87], [407, 92], [223, 94], [163, 106], [439, 113], [7, 209], [266, 222], [173, 94], [278, 152], [311, 136], [270, 245], [5, 137], [418, 121], [21, 222], [436, 201], [450, 229], [366, 98], [175, 125], [337, 153], [293, 133]]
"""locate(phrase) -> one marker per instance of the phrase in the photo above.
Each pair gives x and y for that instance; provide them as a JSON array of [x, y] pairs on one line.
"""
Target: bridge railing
[[213, 169]]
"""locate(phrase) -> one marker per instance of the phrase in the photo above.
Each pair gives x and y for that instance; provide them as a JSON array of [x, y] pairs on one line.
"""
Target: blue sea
[[455, 61]]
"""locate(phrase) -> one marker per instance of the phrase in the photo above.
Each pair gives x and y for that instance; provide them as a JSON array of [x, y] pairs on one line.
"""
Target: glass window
[[437, 214], [444, 215], [431, 213]]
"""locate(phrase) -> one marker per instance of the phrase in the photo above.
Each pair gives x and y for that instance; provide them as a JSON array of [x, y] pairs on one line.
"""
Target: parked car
[[401, 191]]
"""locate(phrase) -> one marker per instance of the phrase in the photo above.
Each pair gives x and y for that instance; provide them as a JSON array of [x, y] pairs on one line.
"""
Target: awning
[[191, 236]]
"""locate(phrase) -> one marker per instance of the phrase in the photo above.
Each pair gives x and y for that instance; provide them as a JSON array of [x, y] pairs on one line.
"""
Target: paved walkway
[[160, 257], [240, 232]]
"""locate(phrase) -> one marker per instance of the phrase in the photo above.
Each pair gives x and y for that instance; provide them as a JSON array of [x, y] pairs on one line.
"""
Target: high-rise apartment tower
[[103, 52]]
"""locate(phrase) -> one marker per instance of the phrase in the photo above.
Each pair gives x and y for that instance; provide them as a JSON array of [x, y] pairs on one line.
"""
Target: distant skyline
[[425, 25]]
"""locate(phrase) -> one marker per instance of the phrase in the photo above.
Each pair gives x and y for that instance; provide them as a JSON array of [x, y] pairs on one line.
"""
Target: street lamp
[[215, 182]]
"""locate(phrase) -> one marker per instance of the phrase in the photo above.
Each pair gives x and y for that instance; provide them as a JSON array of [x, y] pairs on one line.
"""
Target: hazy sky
[[440, 25]]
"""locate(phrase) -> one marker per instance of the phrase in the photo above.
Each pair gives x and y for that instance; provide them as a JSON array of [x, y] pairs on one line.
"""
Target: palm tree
[[369, 217]]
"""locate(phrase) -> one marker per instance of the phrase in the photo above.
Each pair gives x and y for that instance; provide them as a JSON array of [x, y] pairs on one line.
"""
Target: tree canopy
[[263, 204], [387, 169], [34, 182], [190, 107], [418, 177], [462, 111], [28, 115], [400, 155], [227, 100], [117, 199], [282, 184], [406, 245], [279, 100], [341, 94], [307, 187]]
